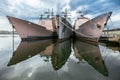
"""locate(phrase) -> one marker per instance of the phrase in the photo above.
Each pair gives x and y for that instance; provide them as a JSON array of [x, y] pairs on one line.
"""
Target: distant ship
[[91, 29], [57, 26]]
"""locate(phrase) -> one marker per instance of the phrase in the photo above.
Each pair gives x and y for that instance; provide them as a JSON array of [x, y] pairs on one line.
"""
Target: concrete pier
[[112, 35]]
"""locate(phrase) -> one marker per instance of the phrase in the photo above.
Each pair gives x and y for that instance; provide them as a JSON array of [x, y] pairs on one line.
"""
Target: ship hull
[[62, 27], [92, 29], [29, 31], [65, 29]]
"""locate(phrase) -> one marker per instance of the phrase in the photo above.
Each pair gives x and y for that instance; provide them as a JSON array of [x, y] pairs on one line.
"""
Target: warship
[[91, 29], [55, 27], [29, 31]]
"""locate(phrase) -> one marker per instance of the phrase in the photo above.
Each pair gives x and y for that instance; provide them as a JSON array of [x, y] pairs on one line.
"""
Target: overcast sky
[[31, 9]]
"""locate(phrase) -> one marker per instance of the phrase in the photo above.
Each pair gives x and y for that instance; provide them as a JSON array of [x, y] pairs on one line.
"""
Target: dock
[[112, 36]]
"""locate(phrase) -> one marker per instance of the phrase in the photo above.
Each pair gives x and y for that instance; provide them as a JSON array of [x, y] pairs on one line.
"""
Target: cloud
[[114, 21], [25, 8], [115, 17], [74, 4], [31, 10], [5, 24], [28, 8]]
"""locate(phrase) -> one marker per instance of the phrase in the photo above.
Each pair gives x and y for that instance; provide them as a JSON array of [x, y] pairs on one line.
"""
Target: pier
[[112, 35]]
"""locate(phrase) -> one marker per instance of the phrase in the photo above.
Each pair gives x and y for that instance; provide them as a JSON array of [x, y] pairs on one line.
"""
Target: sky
[[32, 9]]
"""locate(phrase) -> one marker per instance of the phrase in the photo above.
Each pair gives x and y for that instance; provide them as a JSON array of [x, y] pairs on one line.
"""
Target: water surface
[[57, 60]]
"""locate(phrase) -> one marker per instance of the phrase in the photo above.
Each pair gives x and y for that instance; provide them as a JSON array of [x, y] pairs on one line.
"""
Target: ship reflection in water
[[58, 60], [91, 54], [59, 51]]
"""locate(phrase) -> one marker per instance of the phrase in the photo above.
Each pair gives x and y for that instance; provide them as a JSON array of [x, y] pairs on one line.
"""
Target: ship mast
[[66, 13], [58, 9], [41, 16], [49, 13], [52, 13]]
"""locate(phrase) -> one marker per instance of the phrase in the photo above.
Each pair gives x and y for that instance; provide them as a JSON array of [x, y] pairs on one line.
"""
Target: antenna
[[52, 13], [41, 16], [66, 13], [58, 8], [49, 13], [81, 13]]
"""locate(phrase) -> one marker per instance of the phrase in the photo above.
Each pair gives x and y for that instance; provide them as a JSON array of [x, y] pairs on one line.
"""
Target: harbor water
[[57, 60]]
